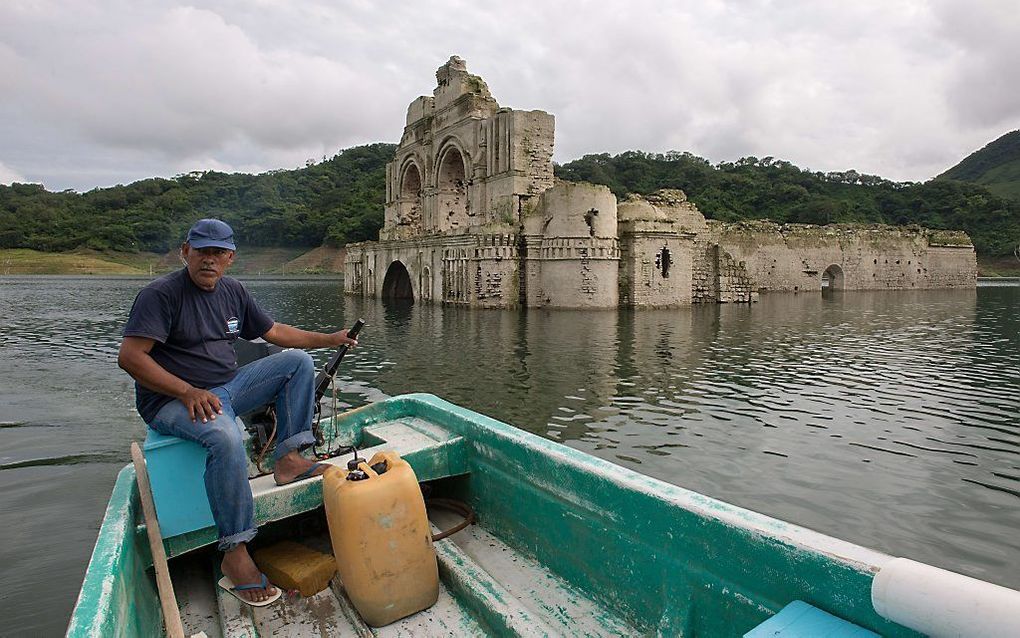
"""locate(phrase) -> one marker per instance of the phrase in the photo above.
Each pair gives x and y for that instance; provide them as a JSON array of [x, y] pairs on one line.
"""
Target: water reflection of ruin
[[475, 217], [588, 377]]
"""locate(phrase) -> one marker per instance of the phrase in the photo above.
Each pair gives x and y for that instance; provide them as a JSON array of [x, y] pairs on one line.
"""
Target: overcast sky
[[95, 93]]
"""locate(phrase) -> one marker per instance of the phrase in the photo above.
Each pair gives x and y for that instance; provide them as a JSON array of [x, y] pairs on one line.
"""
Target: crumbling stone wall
[[734, 284], [496, 272], [718, 277], [795, 257], [704, 271]]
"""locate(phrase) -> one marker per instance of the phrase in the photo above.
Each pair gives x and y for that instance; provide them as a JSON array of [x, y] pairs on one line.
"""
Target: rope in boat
[[335, 409], [451, 505], [269, 441]]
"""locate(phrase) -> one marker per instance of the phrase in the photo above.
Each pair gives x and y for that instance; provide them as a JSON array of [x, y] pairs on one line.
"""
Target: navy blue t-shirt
[[194, 331]]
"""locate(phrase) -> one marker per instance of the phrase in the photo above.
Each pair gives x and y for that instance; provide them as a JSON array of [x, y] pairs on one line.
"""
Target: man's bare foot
[[292, 465], [238, 566]]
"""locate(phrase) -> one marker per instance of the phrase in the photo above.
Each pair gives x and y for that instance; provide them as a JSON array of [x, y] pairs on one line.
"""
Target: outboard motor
[[260, 422]]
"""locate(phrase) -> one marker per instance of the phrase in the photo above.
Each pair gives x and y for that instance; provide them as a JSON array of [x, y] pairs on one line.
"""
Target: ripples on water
[[887, 419]]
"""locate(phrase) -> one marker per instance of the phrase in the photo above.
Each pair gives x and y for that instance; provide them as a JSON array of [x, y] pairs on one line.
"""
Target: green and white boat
[[565, 544]]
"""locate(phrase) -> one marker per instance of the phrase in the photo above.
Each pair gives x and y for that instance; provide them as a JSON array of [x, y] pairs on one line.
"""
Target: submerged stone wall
[[798, 257]]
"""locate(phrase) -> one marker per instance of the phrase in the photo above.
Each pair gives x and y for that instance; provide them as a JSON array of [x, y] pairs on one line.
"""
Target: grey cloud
[[8, 175], [901, 90], [984, 91]]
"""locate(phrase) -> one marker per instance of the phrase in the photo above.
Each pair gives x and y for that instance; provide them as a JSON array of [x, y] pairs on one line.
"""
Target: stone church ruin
[[474, 216]]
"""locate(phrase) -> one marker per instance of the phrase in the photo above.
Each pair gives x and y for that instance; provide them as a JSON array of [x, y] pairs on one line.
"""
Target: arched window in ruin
[[451, 182], [410, 197], [832, 278], [397, 283]]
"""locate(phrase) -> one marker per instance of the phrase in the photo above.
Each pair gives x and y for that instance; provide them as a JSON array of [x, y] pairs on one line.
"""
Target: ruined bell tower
[[463, 162]]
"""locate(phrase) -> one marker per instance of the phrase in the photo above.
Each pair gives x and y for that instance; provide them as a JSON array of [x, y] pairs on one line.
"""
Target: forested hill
[[753, 188], [336, 201], [996, 167], [341, 200]]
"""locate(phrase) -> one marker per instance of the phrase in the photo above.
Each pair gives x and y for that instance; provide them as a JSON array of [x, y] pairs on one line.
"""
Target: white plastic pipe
[[941, 603]]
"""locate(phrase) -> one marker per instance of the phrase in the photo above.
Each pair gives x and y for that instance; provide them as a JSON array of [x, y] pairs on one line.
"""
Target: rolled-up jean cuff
[[228, 543], [297, 442]]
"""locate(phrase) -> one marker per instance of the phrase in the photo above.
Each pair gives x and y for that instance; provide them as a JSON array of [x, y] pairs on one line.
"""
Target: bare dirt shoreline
[[249, 261]]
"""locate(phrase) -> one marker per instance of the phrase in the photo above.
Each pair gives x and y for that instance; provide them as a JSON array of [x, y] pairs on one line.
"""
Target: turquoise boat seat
[[801, 620], [177, 478]]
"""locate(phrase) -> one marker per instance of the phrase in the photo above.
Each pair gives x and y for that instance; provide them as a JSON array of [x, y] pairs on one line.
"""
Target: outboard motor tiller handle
[[323, 378]]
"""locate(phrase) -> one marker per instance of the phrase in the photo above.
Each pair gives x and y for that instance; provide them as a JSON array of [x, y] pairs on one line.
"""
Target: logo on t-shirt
[[232, 325]]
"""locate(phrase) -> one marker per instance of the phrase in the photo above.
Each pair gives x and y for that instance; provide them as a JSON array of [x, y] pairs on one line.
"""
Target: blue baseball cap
[[211, 233]]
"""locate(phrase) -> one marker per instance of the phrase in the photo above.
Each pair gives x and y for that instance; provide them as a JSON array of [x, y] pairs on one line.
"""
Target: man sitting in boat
[[178, 347]]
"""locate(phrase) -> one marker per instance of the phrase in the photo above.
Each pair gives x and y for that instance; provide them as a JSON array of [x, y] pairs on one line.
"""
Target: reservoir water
[[889, 419]]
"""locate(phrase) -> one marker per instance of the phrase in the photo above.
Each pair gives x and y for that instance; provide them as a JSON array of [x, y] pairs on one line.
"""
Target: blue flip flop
[[227, 585], [307, 474]]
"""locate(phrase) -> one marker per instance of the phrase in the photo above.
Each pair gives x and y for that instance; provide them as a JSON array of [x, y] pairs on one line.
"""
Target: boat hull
[[661, 559]]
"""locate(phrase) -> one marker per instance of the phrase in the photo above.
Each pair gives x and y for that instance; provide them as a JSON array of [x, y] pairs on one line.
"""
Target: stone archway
[[410, 197], [397, 283], [833, 279], [451, 184]]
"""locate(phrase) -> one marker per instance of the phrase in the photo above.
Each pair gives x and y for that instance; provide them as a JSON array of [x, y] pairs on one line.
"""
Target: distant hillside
[[22, 261], [249, 262], [335, 201], [753, 188], [996, 167]]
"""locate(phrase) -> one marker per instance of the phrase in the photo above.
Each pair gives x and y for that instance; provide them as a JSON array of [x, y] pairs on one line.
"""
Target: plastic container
[[382, 540]]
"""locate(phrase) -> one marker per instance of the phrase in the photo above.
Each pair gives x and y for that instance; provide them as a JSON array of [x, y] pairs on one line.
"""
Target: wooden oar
[[171, 614]]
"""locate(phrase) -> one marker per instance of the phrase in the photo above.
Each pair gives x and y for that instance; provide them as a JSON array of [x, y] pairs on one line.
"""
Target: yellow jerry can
[[381, 538]]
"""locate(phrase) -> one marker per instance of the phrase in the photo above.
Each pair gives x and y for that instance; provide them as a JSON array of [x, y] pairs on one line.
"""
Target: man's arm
[[134, 358], [290, 337]]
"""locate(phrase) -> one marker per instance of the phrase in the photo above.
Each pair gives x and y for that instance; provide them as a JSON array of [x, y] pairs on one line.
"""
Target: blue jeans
[[286, 377]]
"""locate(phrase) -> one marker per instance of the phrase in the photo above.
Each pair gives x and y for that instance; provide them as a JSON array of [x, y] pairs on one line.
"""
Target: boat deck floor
[[487, 588]]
